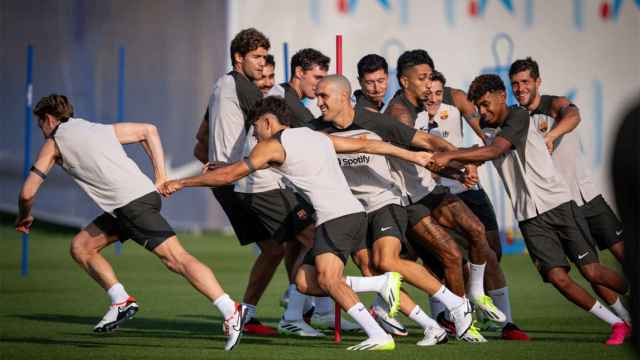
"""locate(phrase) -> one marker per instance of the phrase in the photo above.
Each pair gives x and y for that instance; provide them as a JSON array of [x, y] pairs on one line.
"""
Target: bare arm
[[567, 118], [201, 149], [46, 159], [147, 135], [483, 153], [261, 157], [359, 145], [468, 111]]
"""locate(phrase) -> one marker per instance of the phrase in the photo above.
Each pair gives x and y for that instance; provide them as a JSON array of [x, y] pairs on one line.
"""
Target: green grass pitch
[[50, 313]]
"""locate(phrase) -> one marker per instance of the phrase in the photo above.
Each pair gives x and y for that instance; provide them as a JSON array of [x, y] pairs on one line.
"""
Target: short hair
[[308, 58], [339, 80], [411, 58], [484, 84], [55, 105], [246, 41], [371, 63], [438, 76], [270, 60], [525, 64], [275, 105]]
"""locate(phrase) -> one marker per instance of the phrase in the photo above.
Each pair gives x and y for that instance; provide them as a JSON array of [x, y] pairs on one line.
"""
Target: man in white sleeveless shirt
[[308, 160], [93, 155], [541, 201]]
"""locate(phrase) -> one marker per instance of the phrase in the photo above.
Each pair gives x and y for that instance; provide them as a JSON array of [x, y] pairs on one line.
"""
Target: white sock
[[476, 280], [325, 305], [366, 283], [449, 299], [436, 306], [295, 305], [500, 298], [117, 294], [621, 311], [226, 306], [422, 318], [360, 314], [251, 311], [604, 314]]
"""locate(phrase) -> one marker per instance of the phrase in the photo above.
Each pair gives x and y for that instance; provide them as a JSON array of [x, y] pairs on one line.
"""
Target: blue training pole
[[285, 62], [24, 268], [120, 107]]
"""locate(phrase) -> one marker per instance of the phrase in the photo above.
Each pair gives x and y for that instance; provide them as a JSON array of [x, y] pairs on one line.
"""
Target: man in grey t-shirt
[[541, 202]]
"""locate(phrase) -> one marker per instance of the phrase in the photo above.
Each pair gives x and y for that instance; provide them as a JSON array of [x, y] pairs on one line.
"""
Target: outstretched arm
[[468, 111], [46, 158], [147, 135], [261, 157], [359, 145], [473, 155]]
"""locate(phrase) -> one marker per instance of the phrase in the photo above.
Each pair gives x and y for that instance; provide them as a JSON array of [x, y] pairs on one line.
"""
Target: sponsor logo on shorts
[[580, 257], [385, 228], [619, 232]]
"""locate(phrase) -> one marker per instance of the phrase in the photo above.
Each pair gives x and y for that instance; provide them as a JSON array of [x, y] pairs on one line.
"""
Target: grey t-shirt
[[529, 176]]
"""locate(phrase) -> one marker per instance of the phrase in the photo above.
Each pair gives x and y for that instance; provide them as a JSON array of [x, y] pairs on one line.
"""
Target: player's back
[[93, 156]]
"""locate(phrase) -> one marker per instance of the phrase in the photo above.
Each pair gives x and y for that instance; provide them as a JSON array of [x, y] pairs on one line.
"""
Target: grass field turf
[[50, 314]]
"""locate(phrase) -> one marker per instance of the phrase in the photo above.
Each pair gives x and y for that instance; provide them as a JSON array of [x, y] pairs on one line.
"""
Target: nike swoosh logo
[[580, 257], [618, 232], [385, 228]]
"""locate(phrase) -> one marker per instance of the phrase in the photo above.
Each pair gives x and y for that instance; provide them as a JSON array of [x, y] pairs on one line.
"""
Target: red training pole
[[338, 309]]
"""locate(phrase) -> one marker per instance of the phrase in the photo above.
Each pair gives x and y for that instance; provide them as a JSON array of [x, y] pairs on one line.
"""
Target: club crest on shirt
[[302, 214], [444, 115]]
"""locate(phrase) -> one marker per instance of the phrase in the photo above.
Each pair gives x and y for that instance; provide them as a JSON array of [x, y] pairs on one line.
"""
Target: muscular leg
[[271, 253], [435, 238], [561, 280], [386, 257], [617, 250], [178, 260], [85, 250], [604, 279]]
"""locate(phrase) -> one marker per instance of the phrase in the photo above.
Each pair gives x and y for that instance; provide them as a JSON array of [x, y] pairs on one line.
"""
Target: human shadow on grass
[[78, 343]]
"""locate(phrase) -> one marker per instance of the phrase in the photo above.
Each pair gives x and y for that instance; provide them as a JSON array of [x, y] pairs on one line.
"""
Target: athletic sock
[[295, 305], [621, 311], [604, 314], [324, 305], [422, 318], [251, 311], [449, 299], [360, 314], [476, 280], [226, 306], [366, 283], [500, 298], [436, 306], [117, 294]]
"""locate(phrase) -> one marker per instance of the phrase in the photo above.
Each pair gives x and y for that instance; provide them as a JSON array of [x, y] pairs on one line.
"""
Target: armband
[[38, 172]]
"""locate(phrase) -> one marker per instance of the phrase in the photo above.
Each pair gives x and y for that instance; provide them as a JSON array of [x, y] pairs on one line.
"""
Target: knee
[[559, 278], [384, 263], [272, 250], [175, 261], [327, 281], [590, 272], [477, 230], [301, 284], [80, 250]]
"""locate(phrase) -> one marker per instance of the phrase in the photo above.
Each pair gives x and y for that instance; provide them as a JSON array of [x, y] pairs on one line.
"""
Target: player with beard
[[268, 79], [221, 139], [557, 119], [432, 204], [542, 201]]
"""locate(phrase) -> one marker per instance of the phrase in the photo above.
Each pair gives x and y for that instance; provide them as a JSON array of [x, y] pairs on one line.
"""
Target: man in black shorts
[[93, 155], [541, 201]]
